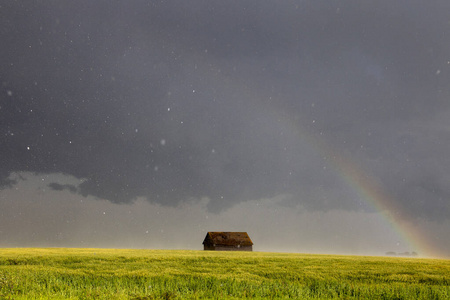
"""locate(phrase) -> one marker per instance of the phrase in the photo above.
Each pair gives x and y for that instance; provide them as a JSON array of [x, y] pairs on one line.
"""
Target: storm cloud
[[229, 101]]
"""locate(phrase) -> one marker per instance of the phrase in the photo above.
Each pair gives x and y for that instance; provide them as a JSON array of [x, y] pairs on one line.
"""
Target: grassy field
[[54, 273]]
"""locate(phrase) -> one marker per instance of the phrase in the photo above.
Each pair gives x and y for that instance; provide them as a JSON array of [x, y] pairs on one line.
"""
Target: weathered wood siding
[[227, 248], [228, 241]]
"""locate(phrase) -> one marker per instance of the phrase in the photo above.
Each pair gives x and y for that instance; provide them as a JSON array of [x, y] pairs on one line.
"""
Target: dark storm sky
[[178, 100]]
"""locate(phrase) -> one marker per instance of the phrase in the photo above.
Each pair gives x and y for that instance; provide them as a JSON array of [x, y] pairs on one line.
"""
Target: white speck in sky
[[28, 147], [438, 72], [163, 142], [136, 130], [193, 91], [168, 109], [9, 93]]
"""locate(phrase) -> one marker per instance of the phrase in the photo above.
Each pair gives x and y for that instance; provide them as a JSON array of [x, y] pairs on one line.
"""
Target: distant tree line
[[391, 253]]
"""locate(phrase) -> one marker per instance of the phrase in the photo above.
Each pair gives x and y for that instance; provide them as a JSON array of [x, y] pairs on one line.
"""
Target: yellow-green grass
[[59, 273]]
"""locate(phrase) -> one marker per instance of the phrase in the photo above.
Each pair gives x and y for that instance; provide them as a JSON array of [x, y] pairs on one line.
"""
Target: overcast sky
[[190, 116]]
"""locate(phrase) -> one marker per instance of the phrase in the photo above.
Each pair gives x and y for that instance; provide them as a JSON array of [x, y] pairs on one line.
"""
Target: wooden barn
[[228, 241]]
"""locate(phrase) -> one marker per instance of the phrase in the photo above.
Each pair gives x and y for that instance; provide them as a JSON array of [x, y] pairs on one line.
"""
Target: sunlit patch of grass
[[158, 274]]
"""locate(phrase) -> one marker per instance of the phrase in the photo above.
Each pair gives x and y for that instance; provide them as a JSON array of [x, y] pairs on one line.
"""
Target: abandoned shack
[[228, 241]]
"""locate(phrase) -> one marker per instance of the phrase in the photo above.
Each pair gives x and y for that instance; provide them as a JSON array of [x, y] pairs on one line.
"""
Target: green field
[[59, 273]]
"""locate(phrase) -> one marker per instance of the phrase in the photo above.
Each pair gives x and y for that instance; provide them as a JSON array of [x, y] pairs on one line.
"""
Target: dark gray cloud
[[61, 187], [180, 100]]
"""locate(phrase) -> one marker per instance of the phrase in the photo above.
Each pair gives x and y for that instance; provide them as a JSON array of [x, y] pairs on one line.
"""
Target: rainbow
[[391, 212], [361, 182], [368, 190]]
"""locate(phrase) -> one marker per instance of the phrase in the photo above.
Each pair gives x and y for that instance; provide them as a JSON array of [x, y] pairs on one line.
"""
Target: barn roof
[[228, 238]]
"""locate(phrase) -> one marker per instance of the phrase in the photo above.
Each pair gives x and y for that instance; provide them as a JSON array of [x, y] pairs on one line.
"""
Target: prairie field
[[63, 273]]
